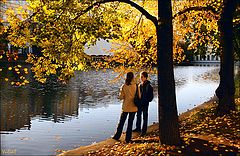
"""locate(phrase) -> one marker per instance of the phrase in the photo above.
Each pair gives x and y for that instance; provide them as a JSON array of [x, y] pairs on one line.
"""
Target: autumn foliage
[[63, 29]]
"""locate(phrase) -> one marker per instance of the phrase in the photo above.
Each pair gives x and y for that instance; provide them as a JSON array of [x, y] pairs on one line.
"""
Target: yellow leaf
[[197, 150], [215, 148], [26, 81]]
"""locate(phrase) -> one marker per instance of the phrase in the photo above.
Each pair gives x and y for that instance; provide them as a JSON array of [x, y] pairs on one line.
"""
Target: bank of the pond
[[108, 143]]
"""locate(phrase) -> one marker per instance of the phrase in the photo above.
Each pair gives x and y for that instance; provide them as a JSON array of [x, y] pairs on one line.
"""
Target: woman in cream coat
[[127, 93]]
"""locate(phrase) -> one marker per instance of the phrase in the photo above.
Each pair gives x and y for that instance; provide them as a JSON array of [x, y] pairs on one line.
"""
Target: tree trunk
[[226, 89], [168, 117]]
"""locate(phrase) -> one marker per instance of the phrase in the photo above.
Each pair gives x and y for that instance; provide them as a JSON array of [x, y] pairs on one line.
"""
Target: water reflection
[[52, 102], [84, 111], [58, 103]]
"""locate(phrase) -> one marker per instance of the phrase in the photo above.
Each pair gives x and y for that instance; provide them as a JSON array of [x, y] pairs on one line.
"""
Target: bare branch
[[198, 8], [133, 4]]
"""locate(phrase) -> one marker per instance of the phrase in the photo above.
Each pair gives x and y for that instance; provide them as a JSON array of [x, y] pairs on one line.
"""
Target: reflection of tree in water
[[50, 101], [58, 101], [14, 108]]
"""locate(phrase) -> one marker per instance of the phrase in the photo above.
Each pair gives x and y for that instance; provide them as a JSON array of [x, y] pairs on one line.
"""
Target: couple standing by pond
[[128, 91]]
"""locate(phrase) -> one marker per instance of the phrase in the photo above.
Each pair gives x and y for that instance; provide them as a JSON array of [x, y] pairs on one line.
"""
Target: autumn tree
[[63, 28], [51, 26], [219, 16], [144, 38], [168, 117], [225, 91]]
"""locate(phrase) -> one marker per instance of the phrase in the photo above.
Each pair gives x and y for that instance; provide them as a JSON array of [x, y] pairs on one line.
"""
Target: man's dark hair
[[145, 74]]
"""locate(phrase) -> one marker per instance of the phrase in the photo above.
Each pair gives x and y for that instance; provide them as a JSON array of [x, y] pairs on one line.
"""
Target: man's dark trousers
[[142, 110]]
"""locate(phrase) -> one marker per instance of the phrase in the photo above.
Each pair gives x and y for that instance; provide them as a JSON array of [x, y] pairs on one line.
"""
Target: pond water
[[39, 119]]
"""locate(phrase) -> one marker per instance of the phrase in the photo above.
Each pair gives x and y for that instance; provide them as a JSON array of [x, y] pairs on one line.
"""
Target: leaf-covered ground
[[202, 134]]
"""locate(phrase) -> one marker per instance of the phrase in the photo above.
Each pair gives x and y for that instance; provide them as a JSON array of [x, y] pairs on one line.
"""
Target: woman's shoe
[[137, 130], [128, 141], [143, 134]]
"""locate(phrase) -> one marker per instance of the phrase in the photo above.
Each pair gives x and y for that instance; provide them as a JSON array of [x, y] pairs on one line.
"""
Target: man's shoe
[[117, 139], [128, 141], [137, 130], [143, 134]]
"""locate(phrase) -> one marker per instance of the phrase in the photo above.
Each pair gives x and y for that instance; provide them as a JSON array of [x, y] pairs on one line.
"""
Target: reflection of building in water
[[14, 110], [66, 106]]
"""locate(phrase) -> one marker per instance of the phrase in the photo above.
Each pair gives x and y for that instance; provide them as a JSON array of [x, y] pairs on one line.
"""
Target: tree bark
[[168, 117], [226, 89]]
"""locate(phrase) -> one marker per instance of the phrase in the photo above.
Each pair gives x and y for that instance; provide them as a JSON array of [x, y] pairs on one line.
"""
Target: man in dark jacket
[[146, 96]]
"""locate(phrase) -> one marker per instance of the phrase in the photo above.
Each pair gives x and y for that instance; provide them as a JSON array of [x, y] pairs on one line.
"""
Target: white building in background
[[208, 58]]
